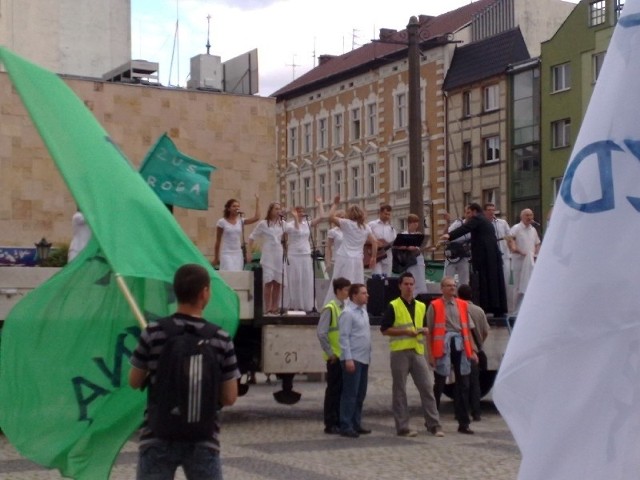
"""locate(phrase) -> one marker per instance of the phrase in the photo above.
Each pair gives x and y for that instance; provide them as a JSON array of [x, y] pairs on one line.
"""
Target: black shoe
[[363, 431], [465, 429], [349, 434], [332, 430], [476, 418]]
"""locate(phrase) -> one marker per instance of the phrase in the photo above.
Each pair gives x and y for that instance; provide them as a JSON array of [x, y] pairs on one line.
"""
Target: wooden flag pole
[[131, 301]]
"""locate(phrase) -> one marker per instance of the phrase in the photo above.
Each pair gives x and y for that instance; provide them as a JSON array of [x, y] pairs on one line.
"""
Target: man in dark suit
[[486, 260]]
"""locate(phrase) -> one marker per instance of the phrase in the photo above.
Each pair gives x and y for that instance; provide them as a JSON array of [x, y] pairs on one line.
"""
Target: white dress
[[271, 258], [418, 272], [300, 268], [81, 235], [335, 234], [526, 238], [348, 258], [231, 258]]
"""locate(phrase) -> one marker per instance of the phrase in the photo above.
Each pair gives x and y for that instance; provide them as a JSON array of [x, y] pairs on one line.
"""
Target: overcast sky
[[285, 32]]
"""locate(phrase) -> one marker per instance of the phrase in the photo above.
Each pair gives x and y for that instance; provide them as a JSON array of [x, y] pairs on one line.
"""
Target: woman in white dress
[[270, 231], [334, 240], [229, 234], [81, 235], [417, 270], [349, 257], [300, 267]]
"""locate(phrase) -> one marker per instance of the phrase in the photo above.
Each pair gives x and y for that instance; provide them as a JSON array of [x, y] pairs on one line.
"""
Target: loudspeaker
[[381, 292]]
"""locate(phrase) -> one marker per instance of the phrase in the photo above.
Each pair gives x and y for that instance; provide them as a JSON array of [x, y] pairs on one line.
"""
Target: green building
[[570, 63]]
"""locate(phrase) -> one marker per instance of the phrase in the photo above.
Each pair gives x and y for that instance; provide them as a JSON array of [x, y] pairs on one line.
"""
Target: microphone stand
[[244, 244], [313, 263], [285, 263]]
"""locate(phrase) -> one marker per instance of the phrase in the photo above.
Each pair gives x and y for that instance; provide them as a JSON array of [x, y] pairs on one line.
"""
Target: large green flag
[[64, 398], [175, 177]]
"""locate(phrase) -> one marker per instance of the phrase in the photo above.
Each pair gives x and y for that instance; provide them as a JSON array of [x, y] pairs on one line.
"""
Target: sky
[[285, 32]]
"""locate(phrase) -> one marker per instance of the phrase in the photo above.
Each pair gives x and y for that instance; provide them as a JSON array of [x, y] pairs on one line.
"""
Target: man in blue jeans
[[159, 458], [355, 346]]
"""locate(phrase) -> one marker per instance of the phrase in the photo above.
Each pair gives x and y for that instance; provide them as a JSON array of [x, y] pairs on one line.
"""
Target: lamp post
[[42, 250]]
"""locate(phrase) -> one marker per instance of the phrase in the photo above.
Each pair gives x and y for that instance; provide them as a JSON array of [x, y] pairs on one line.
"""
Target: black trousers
[[461, 390], [332, 394]]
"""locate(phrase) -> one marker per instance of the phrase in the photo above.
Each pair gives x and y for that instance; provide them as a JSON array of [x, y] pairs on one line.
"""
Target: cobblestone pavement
[[264, 440]]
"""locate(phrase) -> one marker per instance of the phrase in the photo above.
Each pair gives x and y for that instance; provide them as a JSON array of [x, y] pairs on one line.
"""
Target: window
[[618, 8], [403, 172], [355, 124], [561, 133], [401, 110], [492, 149], [466, 103], [597, 60], [337, 129], [307, 137], [467, 155], [372, 179], [306, 192], [337, 182], [292, 193], [355, 182], [372, 119], [597, 12], [293, 141], [557, 181], [466, 198], [491, 98], [561, 77], [322, 133], [490, 195], [322, 185]]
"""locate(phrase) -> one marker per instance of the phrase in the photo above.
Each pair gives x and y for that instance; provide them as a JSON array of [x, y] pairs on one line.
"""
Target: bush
[[57, 257]]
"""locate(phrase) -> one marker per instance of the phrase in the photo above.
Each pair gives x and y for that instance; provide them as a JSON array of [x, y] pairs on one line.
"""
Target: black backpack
[[185, 398]]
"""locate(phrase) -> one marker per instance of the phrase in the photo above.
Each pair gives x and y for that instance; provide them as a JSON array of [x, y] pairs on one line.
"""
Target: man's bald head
[[526, 216]]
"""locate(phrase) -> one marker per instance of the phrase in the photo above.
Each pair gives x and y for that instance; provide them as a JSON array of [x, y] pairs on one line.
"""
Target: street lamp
[[42, 250], [415, 122]]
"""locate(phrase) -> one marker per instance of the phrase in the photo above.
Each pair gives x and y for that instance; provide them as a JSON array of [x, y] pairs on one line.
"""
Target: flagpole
[[131, 301]]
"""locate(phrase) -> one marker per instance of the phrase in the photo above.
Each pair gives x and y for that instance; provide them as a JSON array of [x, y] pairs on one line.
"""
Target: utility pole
[[416, 205]]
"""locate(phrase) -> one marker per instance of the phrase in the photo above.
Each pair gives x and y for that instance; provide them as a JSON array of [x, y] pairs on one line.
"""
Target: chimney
[[324, 58], [386, 33]]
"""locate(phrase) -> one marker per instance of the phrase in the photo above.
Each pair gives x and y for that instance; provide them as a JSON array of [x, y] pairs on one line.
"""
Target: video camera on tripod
[[456, 251]]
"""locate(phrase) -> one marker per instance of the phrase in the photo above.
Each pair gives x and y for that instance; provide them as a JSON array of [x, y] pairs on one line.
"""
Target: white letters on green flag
[[175, 177], [569, 383], [64, 398]]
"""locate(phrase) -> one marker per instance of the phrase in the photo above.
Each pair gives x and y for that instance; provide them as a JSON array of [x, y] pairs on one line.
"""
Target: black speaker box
[[381, 292]]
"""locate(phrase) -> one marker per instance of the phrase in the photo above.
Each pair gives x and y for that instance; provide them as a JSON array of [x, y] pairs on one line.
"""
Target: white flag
[[569, 384]]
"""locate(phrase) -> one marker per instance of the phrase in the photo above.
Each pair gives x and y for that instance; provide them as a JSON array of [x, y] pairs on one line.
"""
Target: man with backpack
[[190, 369]]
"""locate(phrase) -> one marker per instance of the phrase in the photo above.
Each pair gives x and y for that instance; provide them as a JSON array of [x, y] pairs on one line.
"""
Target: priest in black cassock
[[487, 278]]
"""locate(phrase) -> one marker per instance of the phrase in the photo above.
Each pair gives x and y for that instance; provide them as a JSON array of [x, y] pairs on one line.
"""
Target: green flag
[[64, 398], [175, 177]]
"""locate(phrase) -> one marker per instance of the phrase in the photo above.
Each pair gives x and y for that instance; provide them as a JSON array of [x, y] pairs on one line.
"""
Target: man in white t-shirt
[[524, 243], [384, 232]]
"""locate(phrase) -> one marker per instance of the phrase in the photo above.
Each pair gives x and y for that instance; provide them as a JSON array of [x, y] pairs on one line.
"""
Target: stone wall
[[235, 133]]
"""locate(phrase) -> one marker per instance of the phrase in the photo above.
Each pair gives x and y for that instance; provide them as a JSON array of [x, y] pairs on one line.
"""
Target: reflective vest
[[403, 320], [440, 327], [334, 332]]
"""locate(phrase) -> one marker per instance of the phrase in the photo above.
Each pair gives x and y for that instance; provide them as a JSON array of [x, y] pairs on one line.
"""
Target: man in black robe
[[486, 260]]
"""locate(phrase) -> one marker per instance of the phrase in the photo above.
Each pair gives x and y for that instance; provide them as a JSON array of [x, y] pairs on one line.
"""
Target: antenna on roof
[[314, 52], [293, 66], [354, 37], [176, 49], [208, 45]]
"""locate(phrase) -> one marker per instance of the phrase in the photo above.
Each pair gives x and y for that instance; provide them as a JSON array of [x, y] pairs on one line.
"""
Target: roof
[[375, 53], [486, 58]]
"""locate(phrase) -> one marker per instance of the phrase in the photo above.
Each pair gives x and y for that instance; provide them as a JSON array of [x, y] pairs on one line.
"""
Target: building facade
[[211, 127], [86, 38], [571, 63]]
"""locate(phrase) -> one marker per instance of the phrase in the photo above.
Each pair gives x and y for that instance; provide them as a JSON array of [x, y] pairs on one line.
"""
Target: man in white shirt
[[385, 234], [502, 230], [524, 244]]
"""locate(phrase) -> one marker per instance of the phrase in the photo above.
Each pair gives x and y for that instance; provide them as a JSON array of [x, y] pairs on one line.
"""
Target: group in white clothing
[[228, 250]]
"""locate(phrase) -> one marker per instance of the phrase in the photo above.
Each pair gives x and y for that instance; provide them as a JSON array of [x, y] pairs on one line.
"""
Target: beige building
[[343, 127], [86, 38], [235, 133]]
